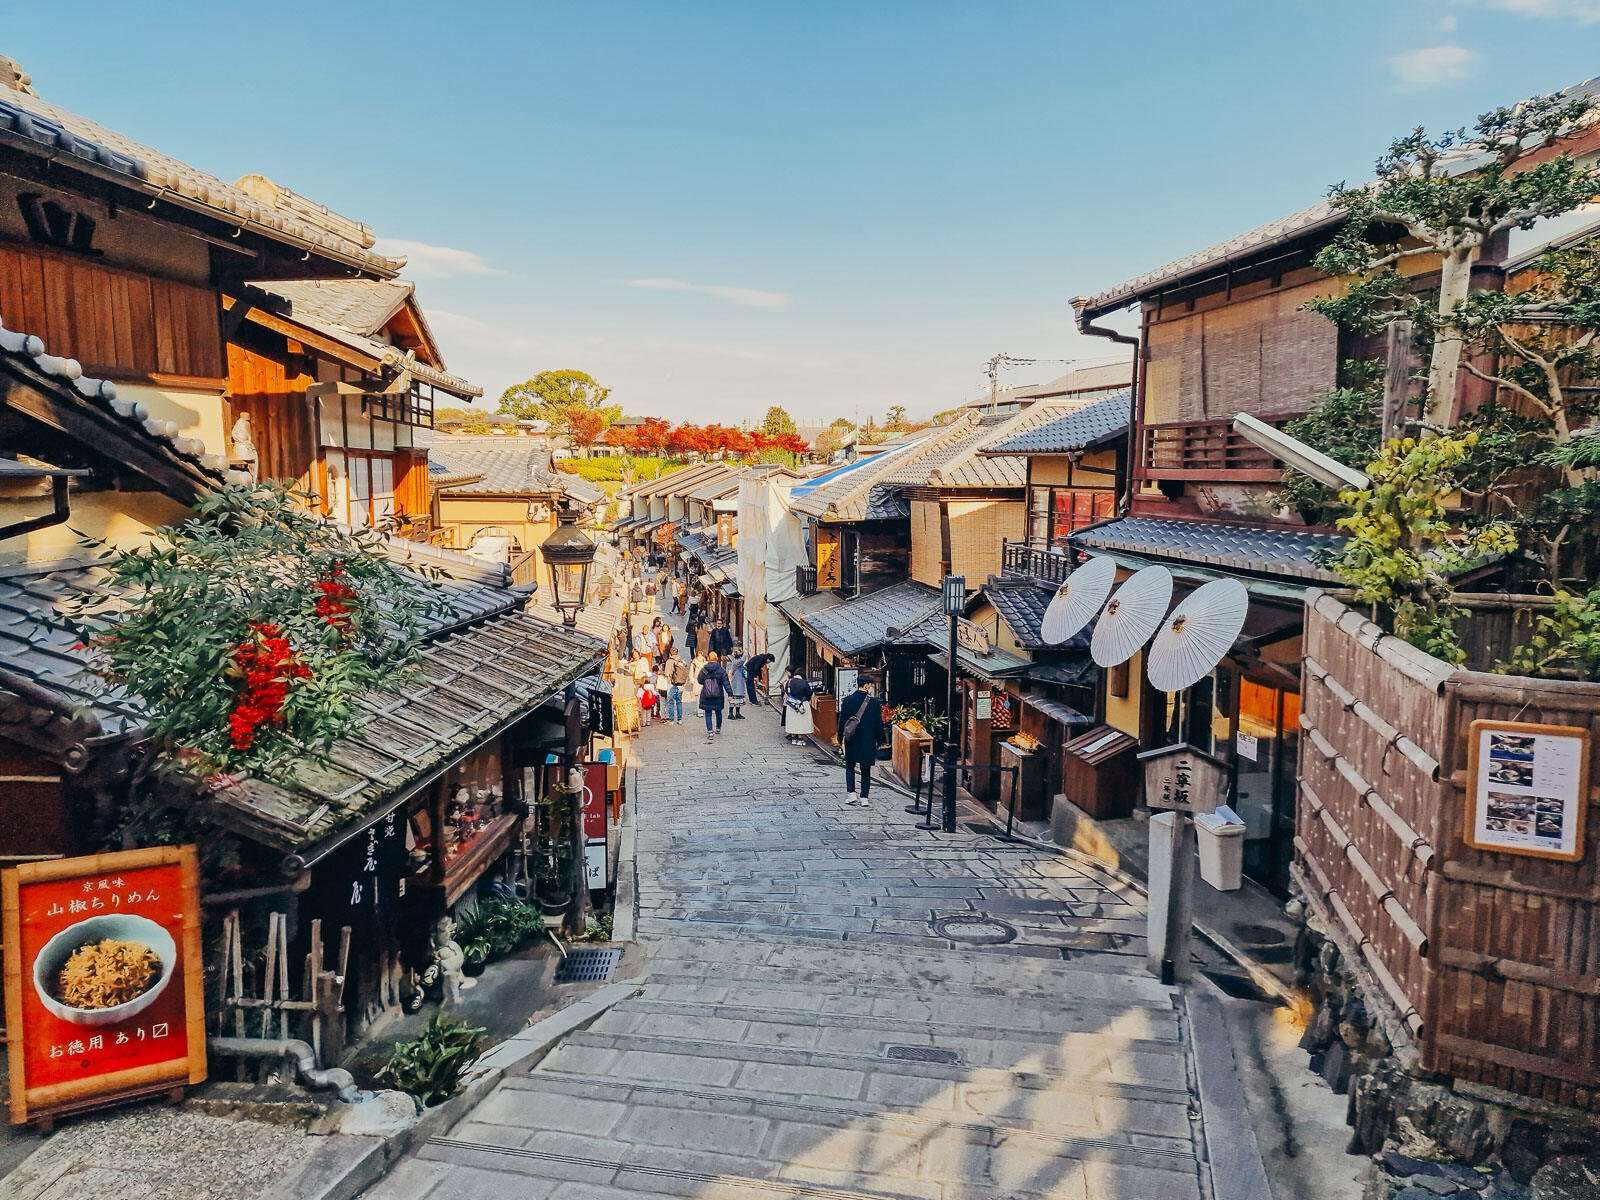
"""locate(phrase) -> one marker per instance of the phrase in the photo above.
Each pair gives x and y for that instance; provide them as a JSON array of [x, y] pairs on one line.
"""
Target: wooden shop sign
[[1184, 778], [104, 982]]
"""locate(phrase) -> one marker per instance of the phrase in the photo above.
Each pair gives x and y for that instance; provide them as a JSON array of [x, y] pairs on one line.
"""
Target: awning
[[864, 622], [729, 589], [1078, 671], [703, 580], [994, 666], [1058, 712]]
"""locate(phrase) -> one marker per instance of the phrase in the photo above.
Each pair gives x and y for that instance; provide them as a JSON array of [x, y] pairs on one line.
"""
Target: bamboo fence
[[1490, 960]]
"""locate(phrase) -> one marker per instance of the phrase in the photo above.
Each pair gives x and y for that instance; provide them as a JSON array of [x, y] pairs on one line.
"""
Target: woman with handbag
[[797, 722]]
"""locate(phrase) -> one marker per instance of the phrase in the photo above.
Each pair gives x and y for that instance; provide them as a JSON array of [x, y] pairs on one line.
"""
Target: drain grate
[[976, 929], [588, 966], [924, 1054]]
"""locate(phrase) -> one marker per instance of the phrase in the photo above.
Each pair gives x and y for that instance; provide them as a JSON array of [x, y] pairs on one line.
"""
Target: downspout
[[295, 1055], [1135, 390]]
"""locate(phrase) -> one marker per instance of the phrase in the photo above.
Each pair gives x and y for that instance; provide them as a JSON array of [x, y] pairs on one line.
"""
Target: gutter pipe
[[295, 1055], [1135, 392]]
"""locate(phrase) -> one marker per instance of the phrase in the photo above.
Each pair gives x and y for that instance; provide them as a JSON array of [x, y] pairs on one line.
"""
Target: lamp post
[[955, 601], [569, 553]]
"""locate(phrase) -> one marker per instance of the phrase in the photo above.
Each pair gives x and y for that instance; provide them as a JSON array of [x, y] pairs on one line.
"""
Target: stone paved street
[[801, 1030]]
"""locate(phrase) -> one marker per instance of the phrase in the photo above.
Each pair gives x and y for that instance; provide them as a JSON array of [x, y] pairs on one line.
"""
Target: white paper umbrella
[[1131, 616], [1077, 600], [1198, 633]]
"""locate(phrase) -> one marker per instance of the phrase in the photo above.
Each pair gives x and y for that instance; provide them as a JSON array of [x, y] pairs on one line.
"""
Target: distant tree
[[777, 422], [585, 426], [557, 397], [896, 418]]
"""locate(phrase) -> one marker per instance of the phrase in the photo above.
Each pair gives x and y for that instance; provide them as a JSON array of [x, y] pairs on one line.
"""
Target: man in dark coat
[[860, 731], [722, 640]]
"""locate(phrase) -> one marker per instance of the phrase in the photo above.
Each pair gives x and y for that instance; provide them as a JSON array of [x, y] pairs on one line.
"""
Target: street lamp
[[955, 603], [568, 553]]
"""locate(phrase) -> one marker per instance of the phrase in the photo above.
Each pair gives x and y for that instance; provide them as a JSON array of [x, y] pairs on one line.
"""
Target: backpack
[[711, 689]]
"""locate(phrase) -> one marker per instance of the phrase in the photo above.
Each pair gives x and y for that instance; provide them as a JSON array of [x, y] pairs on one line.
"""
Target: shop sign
[[104, 983], [1184, 778], [1247, 745], [600, 720], [367, 877], [595, 859], [983, 705], [1530, 786], [971, 636], [846, 679], [1004, 712]]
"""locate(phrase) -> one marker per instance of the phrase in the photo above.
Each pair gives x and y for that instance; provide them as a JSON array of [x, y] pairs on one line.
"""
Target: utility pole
[[992, 370]]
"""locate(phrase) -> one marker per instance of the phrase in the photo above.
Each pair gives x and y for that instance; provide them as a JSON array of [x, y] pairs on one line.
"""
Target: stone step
[[1039, 1008], [1151, 1133], [1107, 1069], [915, 971], [576, 1128], [893, 1016]]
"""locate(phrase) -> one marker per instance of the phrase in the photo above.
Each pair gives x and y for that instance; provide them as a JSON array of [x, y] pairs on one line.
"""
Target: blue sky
[[836, 207]]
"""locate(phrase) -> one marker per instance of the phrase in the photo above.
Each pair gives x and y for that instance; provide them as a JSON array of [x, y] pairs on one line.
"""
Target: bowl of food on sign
[[103, 970]]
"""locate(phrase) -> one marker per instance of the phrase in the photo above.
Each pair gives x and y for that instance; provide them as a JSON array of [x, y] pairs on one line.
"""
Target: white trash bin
[[1220, 836]]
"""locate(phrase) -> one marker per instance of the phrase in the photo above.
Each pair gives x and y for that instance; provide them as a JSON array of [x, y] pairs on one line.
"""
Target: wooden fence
[[1491, 960]]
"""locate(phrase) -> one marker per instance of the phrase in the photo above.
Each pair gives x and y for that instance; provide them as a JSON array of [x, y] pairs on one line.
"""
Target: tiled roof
[[674, 482], [1321, 215], [859, 624], [504, 466], [25, 358], [844, 494], [1263, 550], [33, 126], [485, 663], [1021, 604], [358, 305], [717, 485], [1077, 428], [886, 503], [353, 312]]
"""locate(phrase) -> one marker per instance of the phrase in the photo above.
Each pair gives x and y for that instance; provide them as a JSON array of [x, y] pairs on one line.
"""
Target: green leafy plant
[[1344, 425], [491, 929], [1403, 546], [432, 1066], [248, 631], [599, 929], [1565, 639]]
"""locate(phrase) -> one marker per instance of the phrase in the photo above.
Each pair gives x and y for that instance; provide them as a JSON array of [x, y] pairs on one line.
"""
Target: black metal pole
[[952, 740]]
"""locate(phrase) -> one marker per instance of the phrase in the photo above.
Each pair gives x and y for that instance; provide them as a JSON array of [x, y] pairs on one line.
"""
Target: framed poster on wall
[[1528, 788], [103, 977]]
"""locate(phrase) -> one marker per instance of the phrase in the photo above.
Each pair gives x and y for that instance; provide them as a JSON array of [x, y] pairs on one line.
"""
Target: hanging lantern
[[569, 553]]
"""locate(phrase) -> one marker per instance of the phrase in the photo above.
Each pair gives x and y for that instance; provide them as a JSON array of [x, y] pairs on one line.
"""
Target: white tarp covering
[[771, 545]]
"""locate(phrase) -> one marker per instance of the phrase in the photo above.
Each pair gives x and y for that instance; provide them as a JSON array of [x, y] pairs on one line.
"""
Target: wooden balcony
[[1207, 451], [1047, 566]]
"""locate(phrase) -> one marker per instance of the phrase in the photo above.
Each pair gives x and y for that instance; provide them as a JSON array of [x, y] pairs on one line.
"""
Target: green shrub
[[492, 929], [608, 468], [431, 1067]]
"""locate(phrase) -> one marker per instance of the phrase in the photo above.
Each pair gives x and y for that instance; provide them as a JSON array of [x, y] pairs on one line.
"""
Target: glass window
[[1039, 519], [382, 489], [360, 491]]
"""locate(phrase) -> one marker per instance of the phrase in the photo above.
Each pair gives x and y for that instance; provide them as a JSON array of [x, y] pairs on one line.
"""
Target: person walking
[[797, 722], [860, 731], [738, 686], [678, 675], [713, 695], [663, 643], [722, 639], [753, 671]]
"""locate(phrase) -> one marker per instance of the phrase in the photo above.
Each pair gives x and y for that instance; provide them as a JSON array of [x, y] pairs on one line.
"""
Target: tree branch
[[1509, 384]]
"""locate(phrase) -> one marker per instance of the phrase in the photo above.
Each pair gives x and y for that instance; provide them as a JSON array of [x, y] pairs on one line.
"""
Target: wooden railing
[[1048, 566], [805, 580], [1206, 450]]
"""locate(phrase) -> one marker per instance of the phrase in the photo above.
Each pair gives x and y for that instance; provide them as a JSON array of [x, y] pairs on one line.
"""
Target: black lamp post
[[955, 602], [569, 553]]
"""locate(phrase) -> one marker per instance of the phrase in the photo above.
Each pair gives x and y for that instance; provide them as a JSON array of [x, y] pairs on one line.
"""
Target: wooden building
[[335, 379]]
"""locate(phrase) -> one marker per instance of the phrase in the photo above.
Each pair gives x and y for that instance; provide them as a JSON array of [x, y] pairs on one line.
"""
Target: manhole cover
[[1259, 935], [926, 1054], [977, 929], [587, 966]]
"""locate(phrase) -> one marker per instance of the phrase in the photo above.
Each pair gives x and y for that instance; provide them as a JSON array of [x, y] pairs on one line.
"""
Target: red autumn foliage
[[268, 663]]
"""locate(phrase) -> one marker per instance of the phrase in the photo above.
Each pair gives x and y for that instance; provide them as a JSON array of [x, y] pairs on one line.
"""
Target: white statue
[[244, 445], [449, 958]]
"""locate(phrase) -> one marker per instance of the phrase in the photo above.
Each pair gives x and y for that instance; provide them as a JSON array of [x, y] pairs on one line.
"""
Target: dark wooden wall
[[118, 324]]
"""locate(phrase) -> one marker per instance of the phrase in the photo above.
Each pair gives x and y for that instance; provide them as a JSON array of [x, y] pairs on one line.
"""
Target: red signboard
[[104, 983], [594, 800]]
